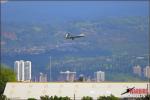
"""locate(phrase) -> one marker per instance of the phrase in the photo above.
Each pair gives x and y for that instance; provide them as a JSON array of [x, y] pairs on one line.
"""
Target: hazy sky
[[63, 10]]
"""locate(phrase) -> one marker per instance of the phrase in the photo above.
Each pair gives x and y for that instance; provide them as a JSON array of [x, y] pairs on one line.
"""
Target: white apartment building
[[147, 71], [70, 76], [42, 77], [27, 70], [137, 70], [23, 70], [16, 69], [99, 76]]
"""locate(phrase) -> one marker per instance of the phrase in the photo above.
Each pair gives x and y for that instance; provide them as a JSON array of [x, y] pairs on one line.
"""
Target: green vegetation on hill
[[6, 75], [111, 44], [118, 35]]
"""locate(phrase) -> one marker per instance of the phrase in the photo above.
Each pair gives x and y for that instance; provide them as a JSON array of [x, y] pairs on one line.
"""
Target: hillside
[[106, 40]]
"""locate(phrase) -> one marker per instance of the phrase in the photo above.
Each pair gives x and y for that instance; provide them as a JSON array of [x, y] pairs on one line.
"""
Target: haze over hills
[[113, 39], [108, 33]]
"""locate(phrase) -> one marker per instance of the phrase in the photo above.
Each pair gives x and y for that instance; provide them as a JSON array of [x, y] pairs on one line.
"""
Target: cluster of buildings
[[142, 72], [23, 74], [69, 76], [23, 70]]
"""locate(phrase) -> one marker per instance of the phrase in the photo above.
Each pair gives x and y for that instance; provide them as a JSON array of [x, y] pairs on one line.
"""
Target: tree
[[46, 97], [32, 99], [86, 98], [111, 97], [3, 97], [54, 98], [64, 98], [6, 75], [147, 97]]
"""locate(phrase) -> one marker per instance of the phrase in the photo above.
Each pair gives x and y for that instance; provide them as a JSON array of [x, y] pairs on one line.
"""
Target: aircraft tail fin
[[82, 34]]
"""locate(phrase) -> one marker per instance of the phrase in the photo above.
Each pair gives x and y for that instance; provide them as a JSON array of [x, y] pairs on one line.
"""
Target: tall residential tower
[[23, 70], [99, 76], [147, 71], [137, 70]]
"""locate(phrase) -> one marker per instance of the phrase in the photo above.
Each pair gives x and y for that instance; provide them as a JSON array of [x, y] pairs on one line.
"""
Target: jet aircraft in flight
[[69, 36]]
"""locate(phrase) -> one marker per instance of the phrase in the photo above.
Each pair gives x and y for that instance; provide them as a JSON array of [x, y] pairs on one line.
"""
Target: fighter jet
[[128, 90], [69, 36]]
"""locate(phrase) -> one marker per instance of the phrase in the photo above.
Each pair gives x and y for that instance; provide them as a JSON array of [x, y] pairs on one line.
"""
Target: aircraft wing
[[78, 36]]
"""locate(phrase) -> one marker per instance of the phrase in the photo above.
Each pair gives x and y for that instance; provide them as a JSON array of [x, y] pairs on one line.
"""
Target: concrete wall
[[35, 90]]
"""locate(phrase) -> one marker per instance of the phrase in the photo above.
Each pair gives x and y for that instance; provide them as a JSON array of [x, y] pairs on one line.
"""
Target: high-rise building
[[147, 71], [16, 69], [99, 76], [70, 76], [19, 69], [23, 70], [43, 77], [137, 70], [27, 70]]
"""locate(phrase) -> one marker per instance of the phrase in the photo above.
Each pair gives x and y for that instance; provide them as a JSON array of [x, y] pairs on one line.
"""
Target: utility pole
[[149, 53], [148, 87], [74, 97], [50, 69], [149, 47]]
